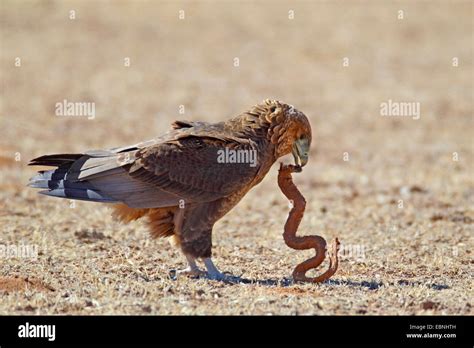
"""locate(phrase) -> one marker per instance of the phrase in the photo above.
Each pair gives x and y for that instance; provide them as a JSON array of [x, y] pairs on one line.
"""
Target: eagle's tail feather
[[55, 160], [56, 183]]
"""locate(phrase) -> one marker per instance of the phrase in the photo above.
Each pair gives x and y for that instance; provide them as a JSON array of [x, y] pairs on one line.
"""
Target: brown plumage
[[183, 181]]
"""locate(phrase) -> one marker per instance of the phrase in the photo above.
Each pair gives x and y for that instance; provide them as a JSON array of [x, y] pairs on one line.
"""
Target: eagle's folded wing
[[190, 167], [156, 173]]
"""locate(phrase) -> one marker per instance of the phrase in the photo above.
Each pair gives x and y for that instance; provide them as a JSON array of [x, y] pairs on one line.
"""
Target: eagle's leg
[[192, 269], [196, 239], [199, 245]]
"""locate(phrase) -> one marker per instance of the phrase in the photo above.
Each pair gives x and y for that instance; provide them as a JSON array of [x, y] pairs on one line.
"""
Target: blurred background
[[211, 60]]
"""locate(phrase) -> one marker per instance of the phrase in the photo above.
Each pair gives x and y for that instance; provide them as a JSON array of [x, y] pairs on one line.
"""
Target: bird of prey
[[185, 180]]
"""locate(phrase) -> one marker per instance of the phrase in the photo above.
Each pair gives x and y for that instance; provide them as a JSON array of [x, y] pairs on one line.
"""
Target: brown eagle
[[185, 180]]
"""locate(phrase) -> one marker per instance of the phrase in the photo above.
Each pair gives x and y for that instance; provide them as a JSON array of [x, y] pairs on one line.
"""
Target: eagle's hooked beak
[[300, 151]]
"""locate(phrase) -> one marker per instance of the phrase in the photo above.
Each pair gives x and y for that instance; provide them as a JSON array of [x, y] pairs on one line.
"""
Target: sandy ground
[[397, 191]]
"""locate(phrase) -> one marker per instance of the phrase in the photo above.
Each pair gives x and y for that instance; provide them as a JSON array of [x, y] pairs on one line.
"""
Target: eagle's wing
[[189, 167], [182, 164]]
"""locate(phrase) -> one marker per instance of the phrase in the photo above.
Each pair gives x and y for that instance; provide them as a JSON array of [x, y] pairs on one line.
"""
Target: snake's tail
[[333, 265]]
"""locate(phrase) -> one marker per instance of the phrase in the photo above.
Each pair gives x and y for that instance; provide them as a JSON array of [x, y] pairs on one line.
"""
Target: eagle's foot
[[191, 271], [188, 272], [213, 273], [224, 277], [216, 276]]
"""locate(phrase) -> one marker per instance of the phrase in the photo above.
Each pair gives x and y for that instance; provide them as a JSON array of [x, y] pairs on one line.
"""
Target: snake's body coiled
[[291, 192]]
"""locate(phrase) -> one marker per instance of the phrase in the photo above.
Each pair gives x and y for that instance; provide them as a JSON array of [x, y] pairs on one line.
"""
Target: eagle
[[185, 180]]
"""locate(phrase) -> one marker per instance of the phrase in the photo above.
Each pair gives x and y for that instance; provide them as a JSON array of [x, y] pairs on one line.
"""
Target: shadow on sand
[[370, 285]]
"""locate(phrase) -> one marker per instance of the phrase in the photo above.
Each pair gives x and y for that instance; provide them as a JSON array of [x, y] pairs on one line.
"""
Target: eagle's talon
[[224, 277], [189, 272], [215, 276]]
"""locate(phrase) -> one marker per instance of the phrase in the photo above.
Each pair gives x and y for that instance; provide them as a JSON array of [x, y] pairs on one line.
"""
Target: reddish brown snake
[[291, 192]]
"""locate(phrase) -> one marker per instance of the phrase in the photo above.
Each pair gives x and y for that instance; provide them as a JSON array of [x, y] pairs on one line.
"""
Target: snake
[[289, 189]]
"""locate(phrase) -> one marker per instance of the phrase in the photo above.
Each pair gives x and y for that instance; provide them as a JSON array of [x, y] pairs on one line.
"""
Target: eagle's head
[[289, 131], [301, 137]]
